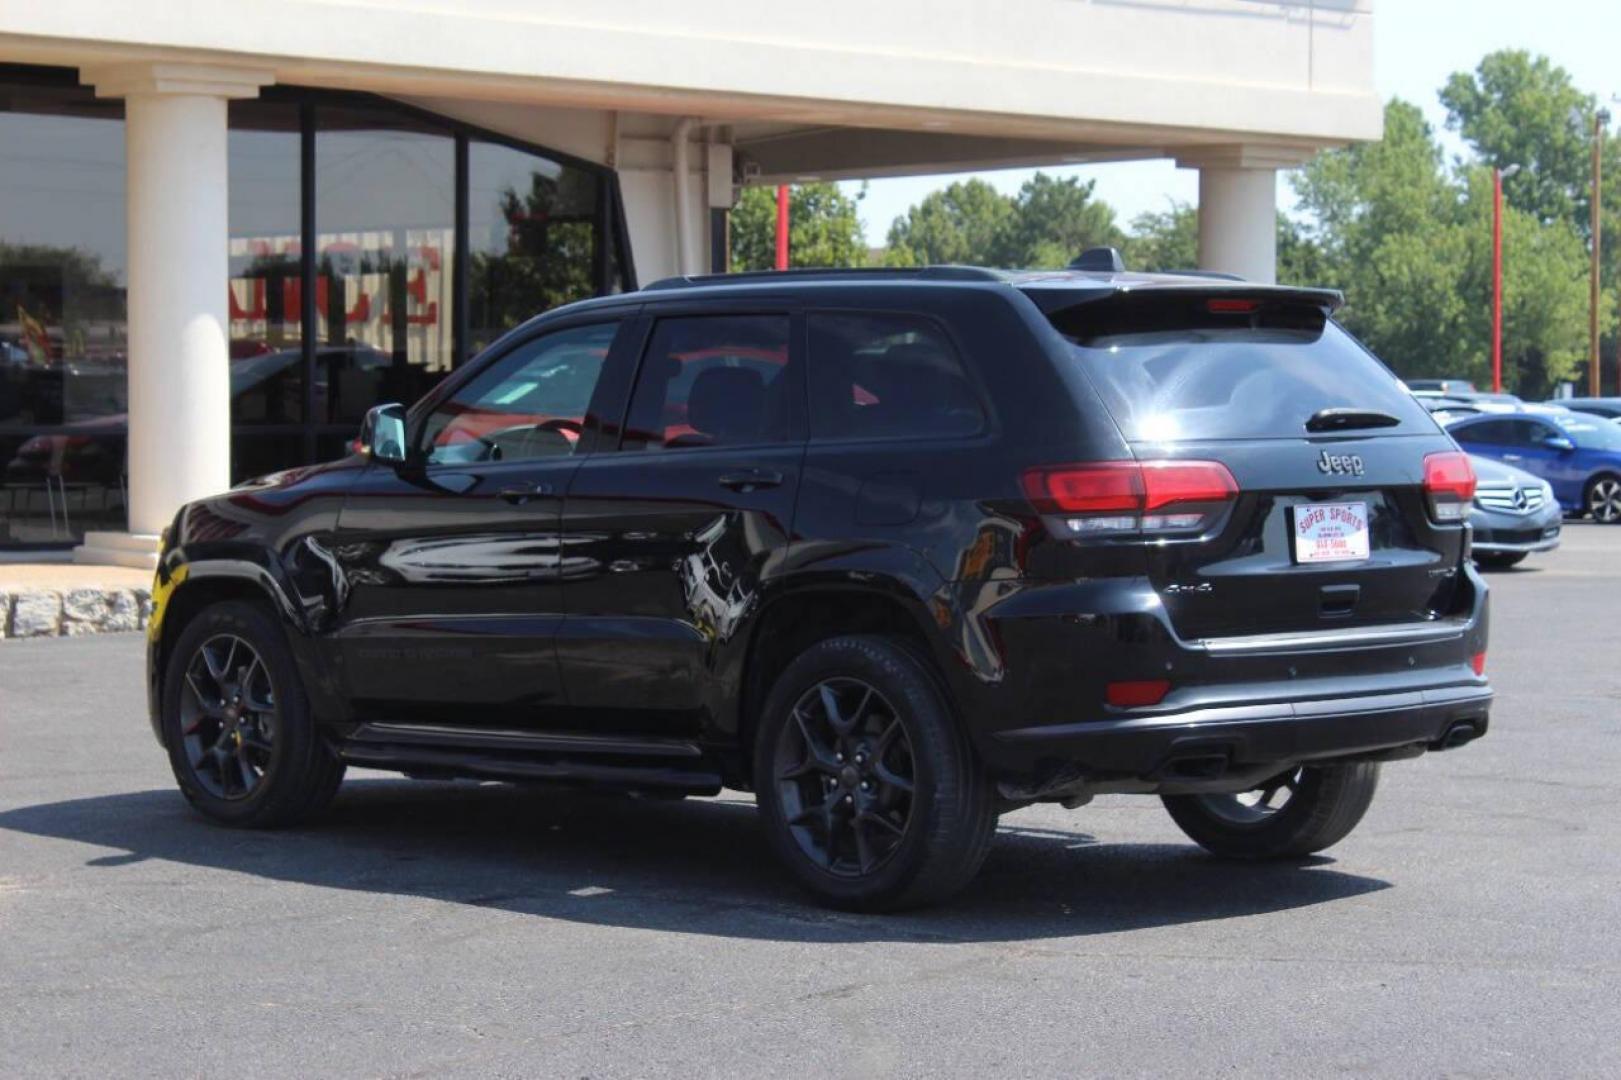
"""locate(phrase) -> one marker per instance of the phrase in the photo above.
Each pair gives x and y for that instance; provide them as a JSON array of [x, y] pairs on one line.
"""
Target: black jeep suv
[[895, 550]]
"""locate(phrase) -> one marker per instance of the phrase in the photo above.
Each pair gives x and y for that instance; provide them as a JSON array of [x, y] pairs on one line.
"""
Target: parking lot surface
[[1468, 927]]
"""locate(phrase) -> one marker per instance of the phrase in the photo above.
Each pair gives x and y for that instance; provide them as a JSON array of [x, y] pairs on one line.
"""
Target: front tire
[[1319, 806], [870, 794], [241, 738]]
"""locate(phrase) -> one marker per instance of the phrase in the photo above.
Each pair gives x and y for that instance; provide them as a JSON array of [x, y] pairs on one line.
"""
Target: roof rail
[[851, 273]]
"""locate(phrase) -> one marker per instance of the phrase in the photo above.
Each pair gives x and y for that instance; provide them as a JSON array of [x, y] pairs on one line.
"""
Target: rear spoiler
[[1052, 301]]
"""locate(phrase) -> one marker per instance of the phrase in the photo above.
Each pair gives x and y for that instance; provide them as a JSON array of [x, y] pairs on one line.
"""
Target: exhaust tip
[[1462, 732]]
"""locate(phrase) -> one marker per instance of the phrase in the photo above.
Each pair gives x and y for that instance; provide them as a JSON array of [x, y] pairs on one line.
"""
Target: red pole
[[782, 226], [1497, 281]]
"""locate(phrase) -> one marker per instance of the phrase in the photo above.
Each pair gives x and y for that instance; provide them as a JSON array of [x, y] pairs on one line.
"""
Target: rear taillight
[[1449, 484], [1478, 663], [1113, 498]]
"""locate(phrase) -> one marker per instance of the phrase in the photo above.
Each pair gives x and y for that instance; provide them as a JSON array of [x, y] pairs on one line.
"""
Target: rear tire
[[1323, 805], [871, 796], [1602, 499], [1499, 560], [237, 724]]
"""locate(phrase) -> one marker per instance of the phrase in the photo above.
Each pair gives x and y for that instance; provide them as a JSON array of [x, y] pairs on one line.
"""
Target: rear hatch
[[1296, 498]]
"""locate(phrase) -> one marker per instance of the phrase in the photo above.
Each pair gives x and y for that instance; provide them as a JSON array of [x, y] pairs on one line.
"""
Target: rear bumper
[[1238, 707], [1227, 746]]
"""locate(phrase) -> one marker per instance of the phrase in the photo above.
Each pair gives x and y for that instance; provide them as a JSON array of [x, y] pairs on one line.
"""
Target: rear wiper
[[1341, 419]]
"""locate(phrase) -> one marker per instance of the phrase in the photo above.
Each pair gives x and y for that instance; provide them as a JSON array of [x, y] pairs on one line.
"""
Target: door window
[[1529, 433], [529, 404], [1486, 432], [887, 376], [714, 380]]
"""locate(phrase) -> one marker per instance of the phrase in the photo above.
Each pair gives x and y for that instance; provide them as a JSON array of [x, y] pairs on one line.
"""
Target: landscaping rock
[[36, 614]]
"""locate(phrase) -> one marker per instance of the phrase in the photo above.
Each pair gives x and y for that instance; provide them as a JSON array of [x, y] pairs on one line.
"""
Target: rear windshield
[[1173, 369]]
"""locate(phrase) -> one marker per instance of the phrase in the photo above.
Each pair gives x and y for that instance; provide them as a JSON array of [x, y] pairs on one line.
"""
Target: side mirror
[[382, 433], [1559, 443]]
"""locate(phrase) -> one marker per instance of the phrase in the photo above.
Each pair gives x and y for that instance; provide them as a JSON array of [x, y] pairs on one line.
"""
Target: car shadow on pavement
[[698, 867]]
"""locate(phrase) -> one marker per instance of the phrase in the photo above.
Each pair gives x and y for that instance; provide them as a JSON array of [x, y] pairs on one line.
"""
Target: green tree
[[1301, 261], [968, 222], [1166, 240], [1544, 292], [824, 228], [1384, 223], [1409, 241], [1054, 220], [1519, 109]]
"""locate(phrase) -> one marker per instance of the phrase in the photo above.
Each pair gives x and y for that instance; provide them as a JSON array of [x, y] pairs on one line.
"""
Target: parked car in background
[[1514, 514], [1442, 386], [1476, 400], [1579, 456], [1607, 407], [1446, 409]]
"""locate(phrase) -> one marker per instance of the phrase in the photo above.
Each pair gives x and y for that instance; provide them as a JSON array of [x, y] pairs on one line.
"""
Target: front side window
[[713, 380], [529, 404], [887, 376]]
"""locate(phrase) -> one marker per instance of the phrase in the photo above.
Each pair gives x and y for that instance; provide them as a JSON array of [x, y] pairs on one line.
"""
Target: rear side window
[[1183, 368], [713, 380], [887, 376]]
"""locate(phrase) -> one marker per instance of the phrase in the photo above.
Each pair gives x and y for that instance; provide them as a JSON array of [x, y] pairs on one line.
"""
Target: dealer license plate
[[1330, 532]]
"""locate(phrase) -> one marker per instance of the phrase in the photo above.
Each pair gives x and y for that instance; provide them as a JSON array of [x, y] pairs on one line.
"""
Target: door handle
[[1512, 457], [522, 494], [751, 479]]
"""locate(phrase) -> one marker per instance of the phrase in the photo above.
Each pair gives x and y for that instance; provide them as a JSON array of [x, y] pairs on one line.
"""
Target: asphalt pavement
[[1468, 927]]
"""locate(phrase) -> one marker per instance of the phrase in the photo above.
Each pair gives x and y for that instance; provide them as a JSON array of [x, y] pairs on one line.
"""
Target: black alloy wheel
[[845, 777], [242, 739], [871, 795], [1254, 807], [228, 717]]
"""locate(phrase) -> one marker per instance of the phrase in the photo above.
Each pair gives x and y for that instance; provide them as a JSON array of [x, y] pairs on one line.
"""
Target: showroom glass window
[[533, 237], [63, 352], [385, 214], [372, 271], [269, 399]]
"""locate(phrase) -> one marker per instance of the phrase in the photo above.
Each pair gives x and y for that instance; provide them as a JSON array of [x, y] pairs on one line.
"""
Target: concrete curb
[[34, 613]]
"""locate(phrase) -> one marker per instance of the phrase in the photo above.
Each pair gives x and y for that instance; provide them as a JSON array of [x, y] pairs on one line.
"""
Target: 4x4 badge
[[1342, 464]]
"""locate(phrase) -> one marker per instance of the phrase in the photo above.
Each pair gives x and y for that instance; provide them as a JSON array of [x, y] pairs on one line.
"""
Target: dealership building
[[228, 229]]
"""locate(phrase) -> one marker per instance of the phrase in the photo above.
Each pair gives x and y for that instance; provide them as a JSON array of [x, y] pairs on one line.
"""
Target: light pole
[[1497, 274], [1600, 118], [782, 227]]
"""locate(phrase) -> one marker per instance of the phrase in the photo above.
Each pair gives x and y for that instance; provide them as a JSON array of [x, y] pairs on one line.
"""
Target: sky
[[1416, 45]]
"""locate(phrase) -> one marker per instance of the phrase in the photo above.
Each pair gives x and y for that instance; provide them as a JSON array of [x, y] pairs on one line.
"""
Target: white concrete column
[[1238, 207], [1238, 233], [178, 272]]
